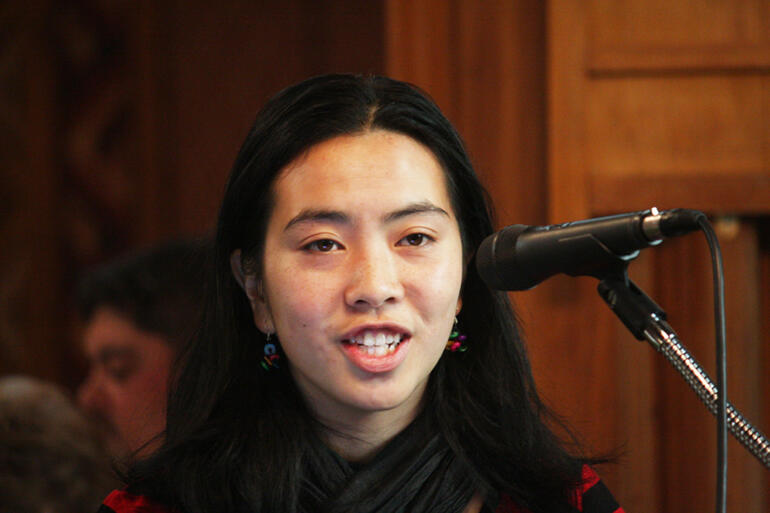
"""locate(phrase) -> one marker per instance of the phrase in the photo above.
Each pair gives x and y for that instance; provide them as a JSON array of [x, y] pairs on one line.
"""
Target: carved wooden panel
[[74, 189], [123, 120], [95, 119]]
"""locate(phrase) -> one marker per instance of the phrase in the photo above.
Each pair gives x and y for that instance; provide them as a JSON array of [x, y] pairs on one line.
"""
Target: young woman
[[329, 374]]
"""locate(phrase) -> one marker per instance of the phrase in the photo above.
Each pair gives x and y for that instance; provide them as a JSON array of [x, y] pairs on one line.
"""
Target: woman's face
[[362, 272]]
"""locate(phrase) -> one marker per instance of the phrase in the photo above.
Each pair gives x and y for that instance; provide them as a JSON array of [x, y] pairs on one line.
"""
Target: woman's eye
[[415, 239], [322, 245]]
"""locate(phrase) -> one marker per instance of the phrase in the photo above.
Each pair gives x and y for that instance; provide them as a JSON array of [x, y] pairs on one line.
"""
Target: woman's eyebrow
[[423, 207], [316, 215], [311, 215]]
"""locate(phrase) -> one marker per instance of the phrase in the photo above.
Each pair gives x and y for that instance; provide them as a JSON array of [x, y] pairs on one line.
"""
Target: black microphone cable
[[718, 277], [721, 360]]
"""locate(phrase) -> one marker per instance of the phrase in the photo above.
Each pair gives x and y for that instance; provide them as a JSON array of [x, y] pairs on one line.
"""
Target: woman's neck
[[362, 439], [357, 434]]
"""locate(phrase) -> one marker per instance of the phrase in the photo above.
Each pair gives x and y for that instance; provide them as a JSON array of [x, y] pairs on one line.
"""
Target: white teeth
[[370, 339], [377, 344]]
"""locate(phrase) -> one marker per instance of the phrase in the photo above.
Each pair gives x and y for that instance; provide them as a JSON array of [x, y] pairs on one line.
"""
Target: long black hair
[[238, 438]]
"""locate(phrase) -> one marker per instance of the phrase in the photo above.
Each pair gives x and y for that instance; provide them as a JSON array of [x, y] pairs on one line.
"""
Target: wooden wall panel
[[568, 197], [628, 36], [687, 430], [696, 139], [29, 279], [420, 47], [666, 104], [737, 193], [224, 61], [502, 103], [484, 66], [636, 480], [684, 125]]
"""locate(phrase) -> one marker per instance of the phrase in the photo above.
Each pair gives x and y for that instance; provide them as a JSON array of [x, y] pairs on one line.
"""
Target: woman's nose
[[374, 280]]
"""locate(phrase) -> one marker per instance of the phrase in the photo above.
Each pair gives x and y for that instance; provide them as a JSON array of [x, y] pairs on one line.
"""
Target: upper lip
[[391, 327]]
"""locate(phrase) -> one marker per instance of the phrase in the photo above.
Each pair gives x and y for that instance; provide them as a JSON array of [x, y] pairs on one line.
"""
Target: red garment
[[120, 501], [593, 497]]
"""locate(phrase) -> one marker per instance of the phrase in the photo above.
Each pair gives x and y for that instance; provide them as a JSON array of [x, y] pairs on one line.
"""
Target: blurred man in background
[[138, 312]]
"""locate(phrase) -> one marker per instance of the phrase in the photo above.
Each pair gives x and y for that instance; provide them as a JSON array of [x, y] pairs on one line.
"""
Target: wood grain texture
[[747, 194], [567, 138], [684, 288], [673, 125], [684, 37], [420, 47], [226, 60], [638, 117]]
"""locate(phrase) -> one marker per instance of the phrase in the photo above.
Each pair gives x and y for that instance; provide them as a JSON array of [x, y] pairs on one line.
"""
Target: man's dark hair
[[159, 289]]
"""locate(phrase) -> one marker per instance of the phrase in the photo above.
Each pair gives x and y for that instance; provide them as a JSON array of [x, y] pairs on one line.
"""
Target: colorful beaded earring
[[456, 341], [271, 358]]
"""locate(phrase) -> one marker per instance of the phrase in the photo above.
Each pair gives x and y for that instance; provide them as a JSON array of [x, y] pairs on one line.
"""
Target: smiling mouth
[[376, 343]]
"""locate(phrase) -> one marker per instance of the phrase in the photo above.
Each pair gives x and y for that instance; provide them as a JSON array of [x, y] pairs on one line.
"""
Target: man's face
[[127, 381]]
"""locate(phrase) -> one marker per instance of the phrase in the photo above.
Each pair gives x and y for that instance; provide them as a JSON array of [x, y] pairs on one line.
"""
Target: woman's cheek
[[304, 297], [435, 294], [441, 275]]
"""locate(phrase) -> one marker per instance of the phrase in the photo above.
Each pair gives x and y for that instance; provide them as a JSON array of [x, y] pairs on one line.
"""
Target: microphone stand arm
[[647, 321]]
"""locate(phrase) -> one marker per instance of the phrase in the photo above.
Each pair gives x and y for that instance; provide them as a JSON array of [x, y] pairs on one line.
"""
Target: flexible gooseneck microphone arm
[[647, 322]]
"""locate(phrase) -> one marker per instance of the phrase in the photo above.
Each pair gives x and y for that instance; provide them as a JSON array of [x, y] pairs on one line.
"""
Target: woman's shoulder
[[121, 501], [592, 496]]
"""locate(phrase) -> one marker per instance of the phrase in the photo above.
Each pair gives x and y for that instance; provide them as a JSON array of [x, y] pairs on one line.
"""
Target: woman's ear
[[459, 306], [236, 267], [253, 289]]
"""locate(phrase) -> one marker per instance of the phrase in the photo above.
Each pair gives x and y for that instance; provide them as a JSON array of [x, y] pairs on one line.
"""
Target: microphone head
[[518, 257], [491, 258]]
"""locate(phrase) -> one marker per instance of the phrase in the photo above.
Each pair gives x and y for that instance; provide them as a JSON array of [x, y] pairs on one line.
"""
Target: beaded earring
[[456, 341], [271, 358]]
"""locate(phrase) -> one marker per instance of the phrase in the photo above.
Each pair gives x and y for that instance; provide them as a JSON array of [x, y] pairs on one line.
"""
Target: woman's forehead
[[375, 169]]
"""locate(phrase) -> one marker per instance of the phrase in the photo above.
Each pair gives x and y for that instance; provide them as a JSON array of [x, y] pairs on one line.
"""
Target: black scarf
[[415, 472]]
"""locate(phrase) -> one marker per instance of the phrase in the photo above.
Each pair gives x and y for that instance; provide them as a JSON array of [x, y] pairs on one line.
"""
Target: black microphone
[[519, 257]]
